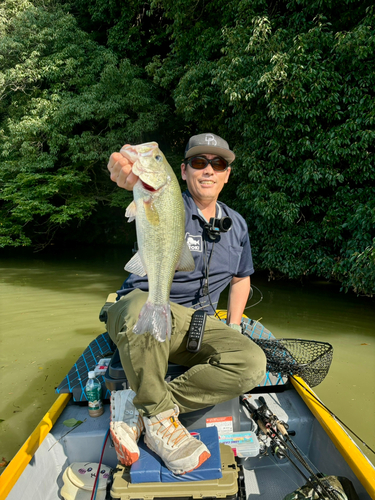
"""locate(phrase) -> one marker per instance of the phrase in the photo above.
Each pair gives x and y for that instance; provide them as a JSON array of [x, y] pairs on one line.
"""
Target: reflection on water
[[49, 313]]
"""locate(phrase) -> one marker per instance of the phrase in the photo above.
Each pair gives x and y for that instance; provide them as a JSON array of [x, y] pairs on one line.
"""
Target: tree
[[290, 85], [292, 88], [66, 103]]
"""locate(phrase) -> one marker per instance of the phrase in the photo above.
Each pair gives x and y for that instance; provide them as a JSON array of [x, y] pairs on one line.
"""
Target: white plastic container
[[79, 480], [244, 444]]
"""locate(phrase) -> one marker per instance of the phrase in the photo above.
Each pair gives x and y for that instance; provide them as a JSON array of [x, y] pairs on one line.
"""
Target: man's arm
[[237, 298]]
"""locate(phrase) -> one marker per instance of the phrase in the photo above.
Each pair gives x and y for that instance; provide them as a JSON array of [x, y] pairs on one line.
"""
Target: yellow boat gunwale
[[352, 454], [357, 461], [18, 464]]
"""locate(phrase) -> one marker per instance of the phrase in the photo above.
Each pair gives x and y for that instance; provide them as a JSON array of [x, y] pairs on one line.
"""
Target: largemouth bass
[[159, 213]]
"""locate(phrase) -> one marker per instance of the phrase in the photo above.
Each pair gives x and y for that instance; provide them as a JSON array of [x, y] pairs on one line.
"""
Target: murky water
[[49, 313]]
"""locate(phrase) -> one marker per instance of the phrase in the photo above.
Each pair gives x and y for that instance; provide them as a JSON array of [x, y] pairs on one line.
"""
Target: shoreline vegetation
[[290, 86]]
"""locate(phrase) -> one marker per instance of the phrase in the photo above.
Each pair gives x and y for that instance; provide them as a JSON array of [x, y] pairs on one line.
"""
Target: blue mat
[[76, 379], [149, 468]]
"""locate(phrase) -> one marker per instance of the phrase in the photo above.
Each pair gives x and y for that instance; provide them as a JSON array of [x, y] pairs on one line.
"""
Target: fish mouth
[[148, 187]]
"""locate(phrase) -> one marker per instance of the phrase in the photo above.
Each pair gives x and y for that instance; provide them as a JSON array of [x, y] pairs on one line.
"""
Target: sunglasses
[[201, 162]]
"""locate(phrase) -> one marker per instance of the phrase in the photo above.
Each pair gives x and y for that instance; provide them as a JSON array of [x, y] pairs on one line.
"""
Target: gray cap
[[209, 144]]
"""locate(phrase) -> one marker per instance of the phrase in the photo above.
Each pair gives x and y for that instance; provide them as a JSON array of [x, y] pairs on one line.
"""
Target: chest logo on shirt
[[194, 242]]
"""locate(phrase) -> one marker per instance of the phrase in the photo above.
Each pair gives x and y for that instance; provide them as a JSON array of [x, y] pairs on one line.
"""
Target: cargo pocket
[[234, 259]]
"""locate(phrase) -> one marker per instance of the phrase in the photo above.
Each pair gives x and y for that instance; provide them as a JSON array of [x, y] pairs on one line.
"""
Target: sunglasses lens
[[198, 163], [219, 164]]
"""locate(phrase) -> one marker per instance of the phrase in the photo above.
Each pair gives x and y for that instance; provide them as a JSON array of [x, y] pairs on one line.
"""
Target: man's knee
[[123, 314], [253, 367]]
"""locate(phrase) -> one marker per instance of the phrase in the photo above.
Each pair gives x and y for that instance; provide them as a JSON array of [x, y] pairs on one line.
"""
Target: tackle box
[[225, 487]]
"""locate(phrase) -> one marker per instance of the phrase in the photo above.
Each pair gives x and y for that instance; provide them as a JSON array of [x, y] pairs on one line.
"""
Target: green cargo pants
[[227, 365]]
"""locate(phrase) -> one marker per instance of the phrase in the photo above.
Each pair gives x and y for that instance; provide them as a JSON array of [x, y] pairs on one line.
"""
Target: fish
[[159, 213]]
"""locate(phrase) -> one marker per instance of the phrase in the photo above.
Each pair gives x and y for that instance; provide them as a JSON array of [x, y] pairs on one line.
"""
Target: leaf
[[4, 462], [72, 422]]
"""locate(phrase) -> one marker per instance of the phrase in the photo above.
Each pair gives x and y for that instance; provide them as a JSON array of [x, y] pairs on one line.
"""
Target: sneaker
[[126, 426], [168, 438]]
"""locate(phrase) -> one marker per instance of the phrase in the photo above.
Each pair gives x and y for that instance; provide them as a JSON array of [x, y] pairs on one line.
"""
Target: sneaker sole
[[202, 458], [126, 449]]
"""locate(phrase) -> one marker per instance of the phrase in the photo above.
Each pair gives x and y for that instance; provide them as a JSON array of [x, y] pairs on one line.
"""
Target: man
[[228, 364]]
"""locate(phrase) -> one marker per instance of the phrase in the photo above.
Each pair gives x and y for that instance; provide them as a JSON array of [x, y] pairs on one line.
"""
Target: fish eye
[[158, 158]]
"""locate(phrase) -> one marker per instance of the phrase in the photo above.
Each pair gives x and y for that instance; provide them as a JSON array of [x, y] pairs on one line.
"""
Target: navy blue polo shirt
[[229, 256]]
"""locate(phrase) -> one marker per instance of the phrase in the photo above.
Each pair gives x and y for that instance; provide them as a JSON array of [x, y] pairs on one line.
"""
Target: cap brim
[[214, 150]]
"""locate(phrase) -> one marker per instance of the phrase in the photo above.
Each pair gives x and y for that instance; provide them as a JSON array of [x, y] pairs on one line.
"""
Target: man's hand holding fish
[[120, 168]]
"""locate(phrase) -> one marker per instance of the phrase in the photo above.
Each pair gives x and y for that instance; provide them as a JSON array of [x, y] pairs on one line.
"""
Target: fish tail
[[155, 319]]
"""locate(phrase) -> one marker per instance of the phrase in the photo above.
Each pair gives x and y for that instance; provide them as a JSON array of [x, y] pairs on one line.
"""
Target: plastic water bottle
[[94, 396]]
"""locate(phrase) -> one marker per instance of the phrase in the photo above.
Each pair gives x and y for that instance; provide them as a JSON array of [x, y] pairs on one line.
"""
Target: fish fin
[[151, 213], [135, 265], [131, 211], [186, 262], [155, 319]]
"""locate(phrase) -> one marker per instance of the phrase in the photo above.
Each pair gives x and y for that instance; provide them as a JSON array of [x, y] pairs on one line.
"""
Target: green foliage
[[359, 269], [66, 104], [290, 85], [295, 97]]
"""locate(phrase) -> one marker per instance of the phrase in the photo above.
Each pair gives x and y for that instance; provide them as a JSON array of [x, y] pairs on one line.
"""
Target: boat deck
[[267, 478]]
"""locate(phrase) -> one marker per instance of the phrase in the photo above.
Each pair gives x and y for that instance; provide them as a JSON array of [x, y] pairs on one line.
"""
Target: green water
[[49, 313]]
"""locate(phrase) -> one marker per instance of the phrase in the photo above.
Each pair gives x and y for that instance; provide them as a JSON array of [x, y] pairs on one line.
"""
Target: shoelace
[[171, 429]]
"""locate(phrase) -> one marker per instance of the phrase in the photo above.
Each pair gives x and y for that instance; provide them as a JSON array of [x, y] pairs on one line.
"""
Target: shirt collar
[[195, 210]]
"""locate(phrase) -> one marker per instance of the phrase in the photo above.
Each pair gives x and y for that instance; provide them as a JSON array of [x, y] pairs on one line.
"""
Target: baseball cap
[[209, 144]]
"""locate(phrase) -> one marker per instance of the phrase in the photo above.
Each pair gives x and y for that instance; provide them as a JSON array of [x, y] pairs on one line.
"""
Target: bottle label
[[94, 398]]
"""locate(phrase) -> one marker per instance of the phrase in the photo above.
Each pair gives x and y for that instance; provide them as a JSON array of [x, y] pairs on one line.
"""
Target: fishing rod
[[251, 296], [282, 445]]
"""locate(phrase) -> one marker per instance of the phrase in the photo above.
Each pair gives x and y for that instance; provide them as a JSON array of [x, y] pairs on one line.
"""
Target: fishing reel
[[217, 226], [278, 450]]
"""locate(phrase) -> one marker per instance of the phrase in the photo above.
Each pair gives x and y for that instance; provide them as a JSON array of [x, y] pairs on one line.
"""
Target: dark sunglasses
[[200, 162]]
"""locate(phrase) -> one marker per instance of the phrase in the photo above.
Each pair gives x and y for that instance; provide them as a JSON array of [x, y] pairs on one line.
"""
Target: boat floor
[[267, 478]]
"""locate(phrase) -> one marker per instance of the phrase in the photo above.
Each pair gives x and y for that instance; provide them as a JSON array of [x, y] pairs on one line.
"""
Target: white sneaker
[[126, 426], [168, 438]]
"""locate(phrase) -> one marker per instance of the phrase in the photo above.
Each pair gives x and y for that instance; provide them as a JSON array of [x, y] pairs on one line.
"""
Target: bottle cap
[[91, 374]]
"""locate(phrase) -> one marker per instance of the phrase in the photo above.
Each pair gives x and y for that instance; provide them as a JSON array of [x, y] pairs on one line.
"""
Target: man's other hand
[[120, 169]]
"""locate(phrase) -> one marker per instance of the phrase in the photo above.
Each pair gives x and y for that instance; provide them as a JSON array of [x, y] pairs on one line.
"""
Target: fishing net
[[308, 359]]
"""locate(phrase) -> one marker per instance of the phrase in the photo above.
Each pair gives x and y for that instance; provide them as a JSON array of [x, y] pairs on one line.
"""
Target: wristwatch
[[235, 327]]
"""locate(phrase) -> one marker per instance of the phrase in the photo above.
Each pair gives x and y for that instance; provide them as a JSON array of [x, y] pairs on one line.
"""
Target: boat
[[264, 470]]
